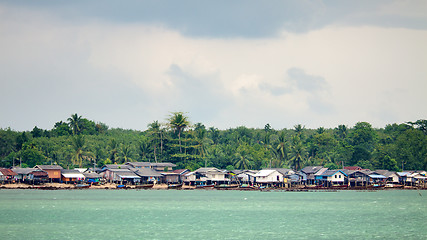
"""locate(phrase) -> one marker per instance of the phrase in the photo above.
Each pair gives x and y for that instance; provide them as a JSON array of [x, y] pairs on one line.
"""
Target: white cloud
[[352, 74]]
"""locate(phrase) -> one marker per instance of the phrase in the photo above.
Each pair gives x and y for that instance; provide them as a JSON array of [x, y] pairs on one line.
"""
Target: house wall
[[64, 179], [216, 177], [189, 178], [270, 178], [172, 178], [53, 173], [337, 177]]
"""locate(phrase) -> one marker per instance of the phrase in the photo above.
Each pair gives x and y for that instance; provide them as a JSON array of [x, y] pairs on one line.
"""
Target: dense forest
[[79, 142]]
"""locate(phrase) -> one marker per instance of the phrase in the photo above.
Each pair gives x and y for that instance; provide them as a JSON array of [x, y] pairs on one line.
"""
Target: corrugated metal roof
[[73, 175], [23, 171], [49, 167], [377, 176], [264, 173], [127, 175], [7, 172], [147, 172]]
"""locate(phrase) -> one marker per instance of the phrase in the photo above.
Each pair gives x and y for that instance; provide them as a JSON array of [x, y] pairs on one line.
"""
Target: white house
[[206, 176], [332, 177], [268, 177]]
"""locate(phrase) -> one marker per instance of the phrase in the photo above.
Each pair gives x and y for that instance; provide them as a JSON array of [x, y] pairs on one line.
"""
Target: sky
[[223, 63]]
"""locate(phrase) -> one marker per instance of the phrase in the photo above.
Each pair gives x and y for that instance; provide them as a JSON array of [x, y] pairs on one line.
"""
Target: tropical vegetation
[[80, 142]]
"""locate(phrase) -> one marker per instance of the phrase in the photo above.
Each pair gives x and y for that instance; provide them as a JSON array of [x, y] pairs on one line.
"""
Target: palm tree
[[113, 150], [299, 130], [214, 134], [342, 131], [243, 159], [79, 151], [126, 153], [298, 153], [143, 149], [178, 122], [281, 147], [202, 141], [75, 123], [155, 132]]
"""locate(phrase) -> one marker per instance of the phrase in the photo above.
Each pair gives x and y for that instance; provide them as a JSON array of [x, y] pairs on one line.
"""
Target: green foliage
[[82, 142]]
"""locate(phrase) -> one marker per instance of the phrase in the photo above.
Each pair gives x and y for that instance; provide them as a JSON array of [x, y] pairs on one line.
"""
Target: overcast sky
[[224, 63]]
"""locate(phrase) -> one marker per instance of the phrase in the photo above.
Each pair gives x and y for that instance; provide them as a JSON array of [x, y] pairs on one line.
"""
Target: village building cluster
[[146, 174]]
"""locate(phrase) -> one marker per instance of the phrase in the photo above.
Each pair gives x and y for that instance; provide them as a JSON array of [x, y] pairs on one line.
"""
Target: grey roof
[[347, 172], [283, 171], [378, 176], [164, 164], [49, 167], [311, 169], [330, 172], [91, 175], [116, 170], [321, 171], [147, 172], [148, 164], [23, 171], [70, 171], [127, 174], [385, 173], [210, 170], [139, 164], [116, 166]]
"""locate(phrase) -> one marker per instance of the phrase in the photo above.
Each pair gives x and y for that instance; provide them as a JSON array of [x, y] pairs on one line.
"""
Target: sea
[[212, 214]]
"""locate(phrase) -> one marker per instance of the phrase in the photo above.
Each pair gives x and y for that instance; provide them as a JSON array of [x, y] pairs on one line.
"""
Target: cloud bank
[[128, 72]]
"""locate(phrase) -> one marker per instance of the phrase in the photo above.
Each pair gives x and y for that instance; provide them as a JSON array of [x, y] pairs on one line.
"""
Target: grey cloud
[[318, 105], [202, 96], [48, 92], [274, 90], [306, 82], [224, 18], [296, 79]]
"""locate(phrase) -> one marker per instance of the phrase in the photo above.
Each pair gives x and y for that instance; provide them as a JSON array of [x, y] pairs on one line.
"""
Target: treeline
[[79, 142]]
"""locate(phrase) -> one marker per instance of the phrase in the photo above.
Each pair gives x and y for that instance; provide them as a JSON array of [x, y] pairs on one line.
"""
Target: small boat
[[174, 186], [144, 186], [246, 187], [205, 186], [81, 186], [226, 186]]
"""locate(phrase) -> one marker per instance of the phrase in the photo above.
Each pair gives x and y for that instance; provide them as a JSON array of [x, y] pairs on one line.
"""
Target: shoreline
[[112, 186]]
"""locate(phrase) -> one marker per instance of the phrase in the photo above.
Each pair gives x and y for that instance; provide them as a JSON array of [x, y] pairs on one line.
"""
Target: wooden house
[[245, 176], [7, 175], [53, 171], [391, 177], [365, 178], [38, 176], [206, 176], [149, 175], [171, 177], [311, 171], [22, 173], [120, 175]]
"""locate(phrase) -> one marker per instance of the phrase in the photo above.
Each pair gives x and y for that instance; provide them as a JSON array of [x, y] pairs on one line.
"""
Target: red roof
[[7, 172], [353, 168]]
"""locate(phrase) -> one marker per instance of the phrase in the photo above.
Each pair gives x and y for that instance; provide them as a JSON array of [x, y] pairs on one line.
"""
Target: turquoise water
[[204, 214]]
